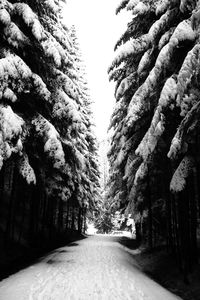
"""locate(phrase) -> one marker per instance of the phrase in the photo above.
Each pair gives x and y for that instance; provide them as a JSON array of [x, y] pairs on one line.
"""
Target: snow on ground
[[94, 268]]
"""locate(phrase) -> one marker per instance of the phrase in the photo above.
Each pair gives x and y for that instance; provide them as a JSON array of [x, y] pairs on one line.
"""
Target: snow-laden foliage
[[152, 136], [165, 38], [4, 4], [154, 153], [187, 71], [188, 101], [66, 107], [131, 4], [52, 5], [5, 18], [122, 5], [163, 5], [49, 175], [155, 122], [12, 69], [30, 19], [184, 169], [85, 140], [45, 103], [175, 147], [15, 36], [185, 132], [157, 127], [68, 85], [26, 170], [142, 171], [125, 85], [137, 7], [137, 46], [168, 94], [136, 107], [131, 169], [11, 128], [183, 32], [50, 136], [161, 24], [187, 5], [145, 61], [130, 48]]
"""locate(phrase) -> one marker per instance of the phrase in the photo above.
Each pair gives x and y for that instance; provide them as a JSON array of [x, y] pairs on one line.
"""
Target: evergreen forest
[[49, 173], [54, 180], [154, 154]]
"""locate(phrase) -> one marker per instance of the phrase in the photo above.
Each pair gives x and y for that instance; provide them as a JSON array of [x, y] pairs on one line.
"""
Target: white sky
[[98, 29]]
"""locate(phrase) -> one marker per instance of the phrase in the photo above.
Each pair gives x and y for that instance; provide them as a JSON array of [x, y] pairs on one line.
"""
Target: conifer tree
[[45, 126], [154, 154], [91, 177]]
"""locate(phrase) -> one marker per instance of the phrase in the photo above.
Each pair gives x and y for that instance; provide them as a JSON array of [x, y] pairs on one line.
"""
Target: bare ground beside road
[[162, 267]]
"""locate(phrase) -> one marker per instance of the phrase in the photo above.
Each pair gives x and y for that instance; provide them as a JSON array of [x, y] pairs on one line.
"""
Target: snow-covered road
[[94, 268]]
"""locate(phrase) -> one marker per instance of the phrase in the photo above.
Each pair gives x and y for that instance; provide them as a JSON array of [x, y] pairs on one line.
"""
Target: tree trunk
[[150, 220], [34, 212], [67, 217], [138, 232], [177, 231], [12, 186], [80, 220], [193, 219], [84, 220], [60, 215], [25, 198], [2, 177], [44, 216], [73, 218], [184, 232], [51, 214], [170, 244]]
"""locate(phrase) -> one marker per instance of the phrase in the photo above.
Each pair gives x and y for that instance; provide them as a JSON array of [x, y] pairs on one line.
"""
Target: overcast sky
[[98, 29]]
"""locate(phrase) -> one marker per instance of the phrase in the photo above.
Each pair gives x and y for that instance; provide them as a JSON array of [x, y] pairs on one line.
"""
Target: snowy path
[[94, 268]]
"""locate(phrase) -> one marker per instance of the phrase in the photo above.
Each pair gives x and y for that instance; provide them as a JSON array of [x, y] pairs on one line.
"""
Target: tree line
[[49, 175], [154, 152]]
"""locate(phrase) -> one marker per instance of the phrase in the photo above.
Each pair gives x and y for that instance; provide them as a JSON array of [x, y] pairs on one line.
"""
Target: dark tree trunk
[[170, 244], [150, 220], [67, 217], [184, 232], [176, 230], [193, 217], [51, 217], [138, 232], [73, 218], [25, 198], [44, 209], [84, 220], [2, 176], [12, 186], [80, 220], [60, 215], [34, 212]]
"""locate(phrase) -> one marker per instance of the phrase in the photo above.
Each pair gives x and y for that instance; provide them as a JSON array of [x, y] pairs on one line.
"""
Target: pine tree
[[45, 126], [154, 165], [92, 175]]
